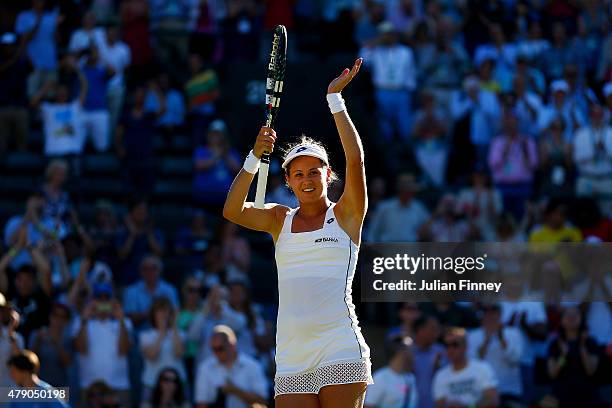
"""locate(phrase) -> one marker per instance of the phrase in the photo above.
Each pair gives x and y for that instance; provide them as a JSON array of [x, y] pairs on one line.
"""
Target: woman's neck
[[312, 210]]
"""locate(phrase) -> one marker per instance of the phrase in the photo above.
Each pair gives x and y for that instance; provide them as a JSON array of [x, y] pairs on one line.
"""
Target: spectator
[[513, 160], [255, 337], [63, 118], [367, 24], [139, 297], [555, 227], [116, 54], [236, 252], [162, 345], [134, 15], [535, 45], [502, 348], [96, 394], [134, 141], [559, 106], [173, 118], [482, 203], [86, 36], [202, 91], [215, 271], [579, 95], [528, 105], [104, 232], [394, 78], [506, 229], [593, 159], [169, 23], [429, 134], [405, 15], [11, 342], [535, 83], [192, 300], [482, 110], [450, 314], [191, 241], [24, 368], [215, 311], [486, 69], [428, 357], [465, 381], [241, 30], [215, 166], [102, 340], [229, 378], [53, 345], [168, 391], [501, 53], [447, 223], [31, 296], [443, 69], [57, 201], [530, 318], [95, 113], [37, 28], [562, 52], [408, 313], [555, 175], [13, 97], [607, 93], [138, 239], [572, 361], [399, 219], [394, 384]]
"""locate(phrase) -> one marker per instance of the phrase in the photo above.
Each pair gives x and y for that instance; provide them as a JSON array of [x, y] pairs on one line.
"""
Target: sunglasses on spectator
[[453, 344], [169, 378], [219, 349]]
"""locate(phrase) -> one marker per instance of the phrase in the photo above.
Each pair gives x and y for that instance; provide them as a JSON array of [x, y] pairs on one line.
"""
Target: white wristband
[[251, 163], [335, 102]]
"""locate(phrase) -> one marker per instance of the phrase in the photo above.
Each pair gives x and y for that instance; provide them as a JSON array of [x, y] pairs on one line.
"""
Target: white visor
[[306, 150]]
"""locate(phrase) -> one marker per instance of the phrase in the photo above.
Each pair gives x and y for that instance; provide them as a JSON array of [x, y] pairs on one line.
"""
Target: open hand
[[339, 83]]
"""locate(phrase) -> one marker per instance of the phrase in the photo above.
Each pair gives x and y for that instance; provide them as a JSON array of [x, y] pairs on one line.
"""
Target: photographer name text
[[436, 285]]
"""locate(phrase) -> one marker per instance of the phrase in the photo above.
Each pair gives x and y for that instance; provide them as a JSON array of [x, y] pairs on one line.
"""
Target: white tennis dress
[[318, 339]]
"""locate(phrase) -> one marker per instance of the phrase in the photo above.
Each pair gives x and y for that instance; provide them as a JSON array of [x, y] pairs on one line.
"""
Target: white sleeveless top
[[316, 324]]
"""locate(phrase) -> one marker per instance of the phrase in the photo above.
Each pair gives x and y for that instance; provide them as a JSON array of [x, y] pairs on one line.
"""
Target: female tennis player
[[322, 360]]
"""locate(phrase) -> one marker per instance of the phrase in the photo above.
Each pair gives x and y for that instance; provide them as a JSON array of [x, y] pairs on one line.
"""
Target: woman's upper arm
[[269, 219], [353, 203]]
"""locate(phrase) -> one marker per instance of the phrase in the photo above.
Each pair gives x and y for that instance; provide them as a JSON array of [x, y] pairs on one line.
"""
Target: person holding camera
[[162, 346], [102, 340]]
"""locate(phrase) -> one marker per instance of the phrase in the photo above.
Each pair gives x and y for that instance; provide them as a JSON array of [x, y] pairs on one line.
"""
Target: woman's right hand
[[265, 141]]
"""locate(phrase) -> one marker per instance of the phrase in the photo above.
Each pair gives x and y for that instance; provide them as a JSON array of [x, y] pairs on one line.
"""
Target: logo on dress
[[326, 239], [330, 220]]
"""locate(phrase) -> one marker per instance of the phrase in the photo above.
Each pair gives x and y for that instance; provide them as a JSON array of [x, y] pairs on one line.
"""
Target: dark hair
[[135, 201], [28, 269], [159, 303], [583, 328], [25, 360], [396, 345], [179, 396], [247, 304], [308, 141], [421, 321], [555, 204]]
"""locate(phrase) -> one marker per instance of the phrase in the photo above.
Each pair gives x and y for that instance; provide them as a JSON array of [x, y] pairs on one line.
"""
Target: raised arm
[[241, 212], [353, 203]]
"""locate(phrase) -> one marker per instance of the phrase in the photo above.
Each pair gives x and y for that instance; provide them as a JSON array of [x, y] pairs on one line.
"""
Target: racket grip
[[262, 181]]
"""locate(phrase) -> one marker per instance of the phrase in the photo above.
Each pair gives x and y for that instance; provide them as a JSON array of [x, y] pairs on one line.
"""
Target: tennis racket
[[274, 88]]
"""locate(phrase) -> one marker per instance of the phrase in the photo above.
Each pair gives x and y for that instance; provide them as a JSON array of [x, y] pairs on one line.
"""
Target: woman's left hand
[[339, 83]]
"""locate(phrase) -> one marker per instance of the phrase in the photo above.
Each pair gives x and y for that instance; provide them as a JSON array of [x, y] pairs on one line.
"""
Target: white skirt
[[311, 382]]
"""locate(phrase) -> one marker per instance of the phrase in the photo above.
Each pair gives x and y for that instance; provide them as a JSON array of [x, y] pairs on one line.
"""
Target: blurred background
[[123, 123]]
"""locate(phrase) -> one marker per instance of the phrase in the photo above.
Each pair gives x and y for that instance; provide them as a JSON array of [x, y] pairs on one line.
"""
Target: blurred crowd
[[493, 123]]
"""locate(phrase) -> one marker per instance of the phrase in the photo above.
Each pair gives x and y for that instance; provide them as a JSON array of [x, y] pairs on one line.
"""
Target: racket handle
[[262, 181]]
